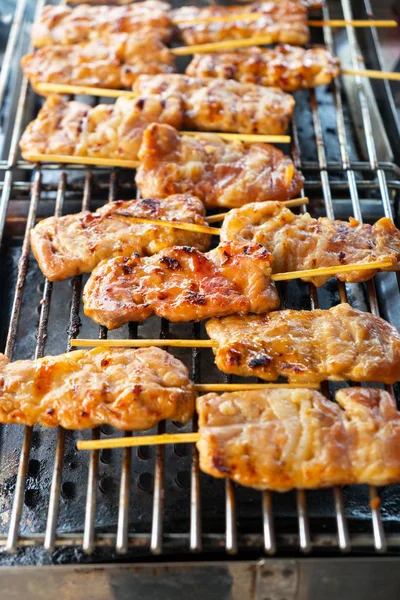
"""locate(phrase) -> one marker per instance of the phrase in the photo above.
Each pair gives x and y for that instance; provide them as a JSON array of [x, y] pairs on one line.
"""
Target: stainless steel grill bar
[[268, 523], [157, 527], [13, 36], [54, 500], [231, 543], [195, 499], [301, 498]]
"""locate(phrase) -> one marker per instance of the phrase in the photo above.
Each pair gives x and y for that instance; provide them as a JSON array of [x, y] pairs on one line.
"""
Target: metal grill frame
[[381, 176]]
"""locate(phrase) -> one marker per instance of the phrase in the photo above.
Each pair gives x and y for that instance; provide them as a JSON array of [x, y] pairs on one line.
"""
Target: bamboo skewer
[[139, 440], [84, 90], [173, 224], [254, 16], [80, 160], [323, 271], [242, 387], [288, 203]]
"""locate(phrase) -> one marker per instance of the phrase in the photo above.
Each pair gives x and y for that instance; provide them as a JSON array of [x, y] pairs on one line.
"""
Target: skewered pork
[[282, 22], [300, 242], [103, 131], [181, 284], [75, 244], [223, 104], [112, 61], [220, 173], [308, 346], [64, 26], [288, 67], [283, 439], [128, 389]]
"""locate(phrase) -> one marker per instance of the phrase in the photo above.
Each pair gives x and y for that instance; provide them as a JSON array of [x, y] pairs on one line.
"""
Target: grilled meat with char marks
[[288, 67], [112, 61], [181, 284], [281, 22], [64, 26], [104, 131], [75, 244], [284, 439], [308, 346], [223, 104], [128, 389], [300, 242], [220, 173]]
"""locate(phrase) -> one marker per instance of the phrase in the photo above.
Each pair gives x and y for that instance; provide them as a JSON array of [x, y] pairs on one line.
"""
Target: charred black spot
[[342, 256], [137, 389], [84, 414], [105, 362], [151, 204], [170, 263], [140, 103], [50, 411], [188, 249], [247, 250], [196, 298], [218, 464], [260, 360], [292, 367], [163, 103], [127, 270], [233, 357]]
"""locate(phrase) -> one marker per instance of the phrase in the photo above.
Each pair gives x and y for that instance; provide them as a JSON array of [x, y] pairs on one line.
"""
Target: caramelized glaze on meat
[[288, 67], [282, 22], [63, 25], [128, 389], [104, 131], [308, 346], [75, 244], [113, 61], [284, 439], [181, 284], [223, 104], [220, 173], [300, 242]]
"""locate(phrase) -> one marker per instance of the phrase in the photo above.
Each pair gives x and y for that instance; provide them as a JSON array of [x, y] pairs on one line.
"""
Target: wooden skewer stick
[[371, 74], [242, 387], [288, 203], [160, 343], [79, 160], [254, 16], [335, 270], [83, 90], [139, 440], [173, 225]]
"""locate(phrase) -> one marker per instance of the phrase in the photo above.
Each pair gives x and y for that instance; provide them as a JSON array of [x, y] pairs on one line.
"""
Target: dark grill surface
[[153, 500]]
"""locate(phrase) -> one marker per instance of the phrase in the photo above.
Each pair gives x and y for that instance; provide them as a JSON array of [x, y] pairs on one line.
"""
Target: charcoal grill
[[63, 507]]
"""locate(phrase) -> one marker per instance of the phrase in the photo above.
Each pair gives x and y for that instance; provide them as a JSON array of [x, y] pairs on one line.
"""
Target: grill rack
[[369, 176]]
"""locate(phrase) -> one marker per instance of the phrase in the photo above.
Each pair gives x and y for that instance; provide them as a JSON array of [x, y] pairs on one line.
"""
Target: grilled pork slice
[[113, 61], [75, 244], [65, 26], [300, 242], [128, 389], [181, 284], [284, 439], [223, 104], [288, 67], [281, 22], [308, 346], [220, 173], [103, 131]]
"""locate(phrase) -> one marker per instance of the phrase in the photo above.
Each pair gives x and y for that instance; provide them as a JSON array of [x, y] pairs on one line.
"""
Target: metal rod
[[268, 523], [231, 544], [195, 543]]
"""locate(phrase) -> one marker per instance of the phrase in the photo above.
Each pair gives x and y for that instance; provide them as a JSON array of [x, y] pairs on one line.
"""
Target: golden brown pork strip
[[300, 242], [104, 131], [284, 439], [113, 61], [308, 346], [288, 67], [220, 173], [223, 104], [281, 22], [181, 284], [128, 389], [75, 244], [64, 26]]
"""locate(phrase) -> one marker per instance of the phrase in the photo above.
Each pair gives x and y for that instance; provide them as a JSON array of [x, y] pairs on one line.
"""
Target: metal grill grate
[[343, 168]]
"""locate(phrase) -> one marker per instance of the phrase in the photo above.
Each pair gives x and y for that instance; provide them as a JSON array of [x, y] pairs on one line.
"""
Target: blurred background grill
[[58, 505]]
